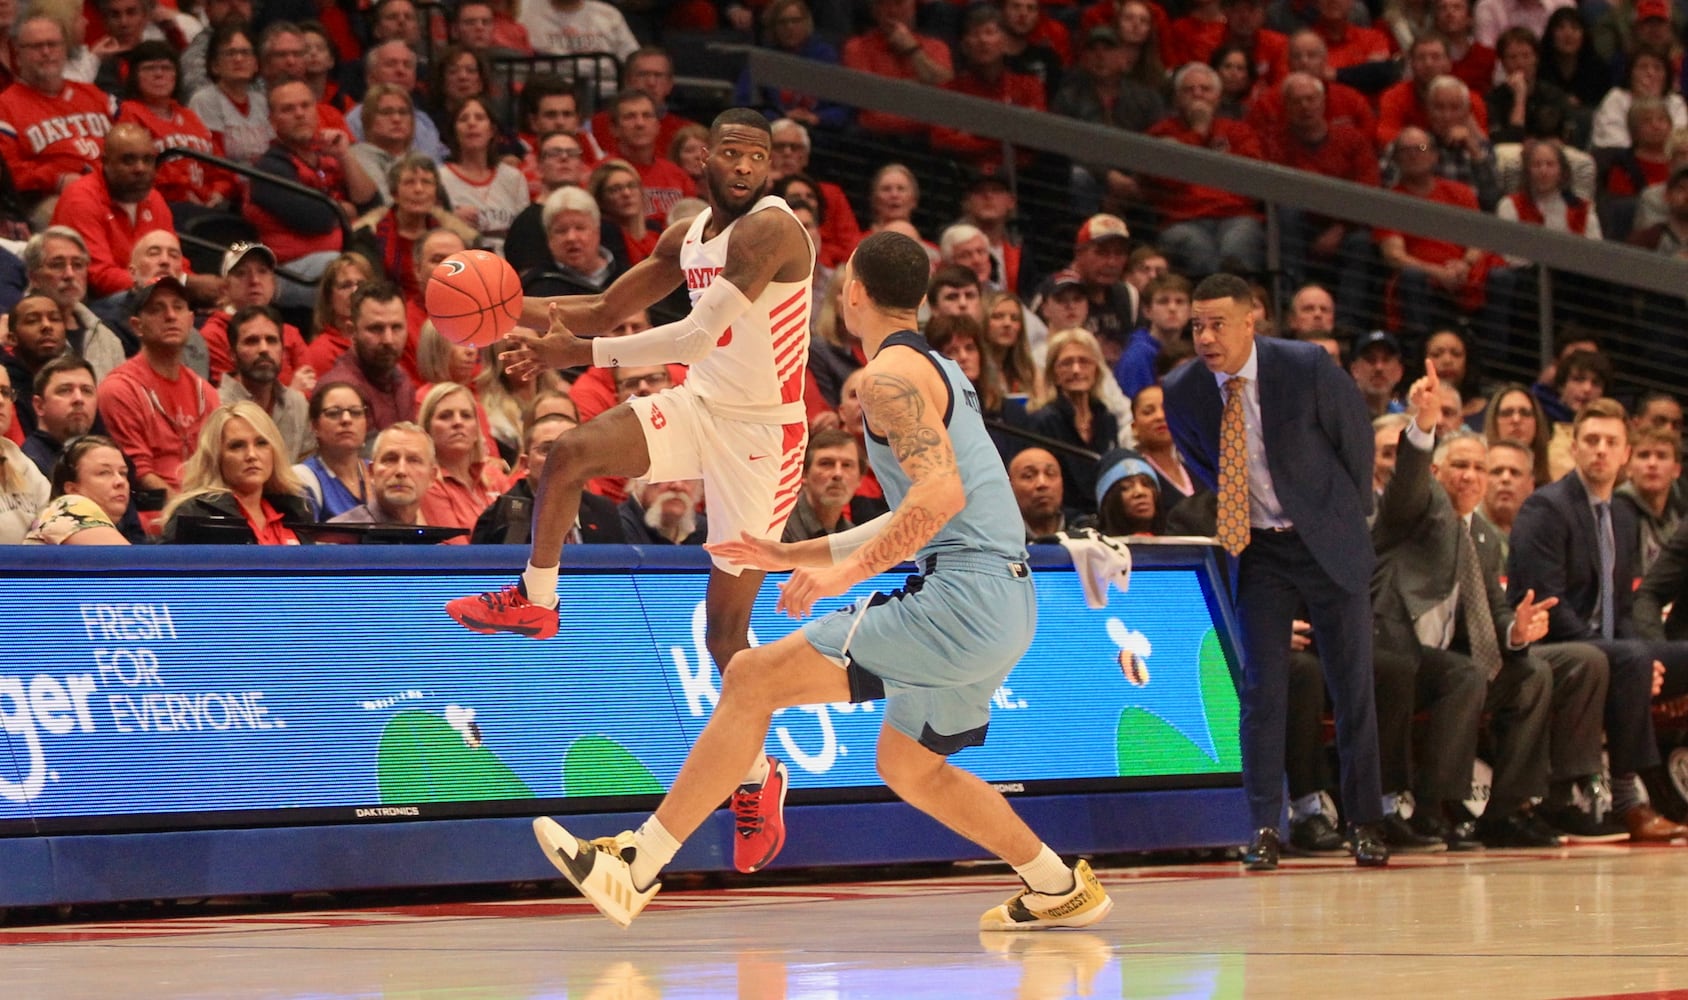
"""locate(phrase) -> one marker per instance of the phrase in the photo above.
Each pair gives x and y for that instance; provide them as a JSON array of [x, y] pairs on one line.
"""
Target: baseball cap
[[1101, 227], [1064, 278], [978, 180], [1101, 35], [1645, 9], [1377, 338], [144, 292], [1121, 463], [240, 251]]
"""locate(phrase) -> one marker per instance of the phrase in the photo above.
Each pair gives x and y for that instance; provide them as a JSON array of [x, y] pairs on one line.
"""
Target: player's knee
[[906, 768], [751, 677], [573, 458]]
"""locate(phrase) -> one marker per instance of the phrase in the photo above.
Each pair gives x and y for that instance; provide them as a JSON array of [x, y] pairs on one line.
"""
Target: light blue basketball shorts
[[938, 649]]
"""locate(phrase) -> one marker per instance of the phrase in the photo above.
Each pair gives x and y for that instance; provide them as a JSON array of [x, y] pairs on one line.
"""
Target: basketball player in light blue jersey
[[935, 651]]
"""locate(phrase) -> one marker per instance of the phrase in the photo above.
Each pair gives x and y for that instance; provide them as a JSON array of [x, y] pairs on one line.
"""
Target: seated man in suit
[[1434, 553], [509, 519], [1569, 541]]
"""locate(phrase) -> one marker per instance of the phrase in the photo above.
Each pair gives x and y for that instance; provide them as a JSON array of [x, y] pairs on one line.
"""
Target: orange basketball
[[474, 297]]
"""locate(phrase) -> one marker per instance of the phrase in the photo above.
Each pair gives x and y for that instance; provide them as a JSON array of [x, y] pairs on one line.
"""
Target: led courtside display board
[[237, 687]]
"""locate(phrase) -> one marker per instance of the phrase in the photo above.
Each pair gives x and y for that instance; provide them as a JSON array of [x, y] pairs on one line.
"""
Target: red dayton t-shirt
[[44, 137]]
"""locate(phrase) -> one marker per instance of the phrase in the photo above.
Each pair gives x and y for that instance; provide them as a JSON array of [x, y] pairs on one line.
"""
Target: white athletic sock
[[1047, 873], [758, 772], [541, 585], [654, 848]]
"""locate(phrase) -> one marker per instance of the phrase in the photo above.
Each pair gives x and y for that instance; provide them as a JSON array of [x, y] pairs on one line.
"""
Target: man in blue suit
[[1291, 463], [1571, 542]]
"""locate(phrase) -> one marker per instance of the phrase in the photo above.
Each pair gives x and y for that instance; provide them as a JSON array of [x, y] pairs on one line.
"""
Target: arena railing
[[595, 75], [1631, 299]]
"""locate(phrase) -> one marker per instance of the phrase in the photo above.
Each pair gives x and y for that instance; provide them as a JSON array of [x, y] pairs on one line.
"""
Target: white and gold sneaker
[[1087, 903], [600, 869]]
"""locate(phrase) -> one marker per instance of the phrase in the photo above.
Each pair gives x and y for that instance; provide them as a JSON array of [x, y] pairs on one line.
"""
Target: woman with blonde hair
[[1073, 413], [90, 496], [467, 482], [689, 150], [440, 360], [241, 469], [1008, 345], [332, 315], [505, 399], [620, 195]]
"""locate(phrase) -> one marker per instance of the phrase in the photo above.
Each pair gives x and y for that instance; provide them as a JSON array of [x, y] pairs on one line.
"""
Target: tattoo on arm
[[900, 411]]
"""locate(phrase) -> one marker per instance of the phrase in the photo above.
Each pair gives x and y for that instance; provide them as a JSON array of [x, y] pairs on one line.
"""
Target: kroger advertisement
[[306, 695]]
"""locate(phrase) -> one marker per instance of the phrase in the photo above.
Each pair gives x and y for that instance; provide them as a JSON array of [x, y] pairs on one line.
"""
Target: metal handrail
[[251, 172], [1084, 142]]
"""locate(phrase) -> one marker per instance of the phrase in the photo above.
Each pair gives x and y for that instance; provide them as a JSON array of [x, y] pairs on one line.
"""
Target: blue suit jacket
[[1554, 553], [1318, 448]]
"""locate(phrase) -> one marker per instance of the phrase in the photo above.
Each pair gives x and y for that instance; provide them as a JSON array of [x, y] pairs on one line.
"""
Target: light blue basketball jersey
[[990, 522]]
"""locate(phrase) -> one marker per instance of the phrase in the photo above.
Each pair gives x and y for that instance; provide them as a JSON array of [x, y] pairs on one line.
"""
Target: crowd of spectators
[[293, 380]]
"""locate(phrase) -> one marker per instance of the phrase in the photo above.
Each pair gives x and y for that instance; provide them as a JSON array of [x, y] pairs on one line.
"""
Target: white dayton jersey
[[759, 362]]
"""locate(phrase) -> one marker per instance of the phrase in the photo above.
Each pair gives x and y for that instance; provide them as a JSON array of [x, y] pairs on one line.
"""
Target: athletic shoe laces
[[747, 812]]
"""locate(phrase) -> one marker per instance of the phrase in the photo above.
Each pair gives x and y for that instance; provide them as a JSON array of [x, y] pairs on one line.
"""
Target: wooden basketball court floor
[[1590, 922]]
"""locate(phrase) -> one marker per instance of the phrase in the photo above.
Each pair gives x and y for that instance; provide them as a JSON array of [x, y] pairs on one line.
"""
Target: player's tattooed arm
[[766, 246], [899, 402]]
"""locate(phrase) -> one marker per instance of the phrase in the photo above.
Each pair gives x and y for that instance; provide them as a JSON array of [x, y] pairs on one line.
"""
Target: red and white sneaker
[[759, 820], [506, 610]]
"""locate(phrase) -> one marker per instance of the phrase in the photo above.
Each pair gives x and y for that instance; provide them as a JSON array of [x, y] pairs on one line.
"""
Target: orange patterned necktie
[[1232, 530]]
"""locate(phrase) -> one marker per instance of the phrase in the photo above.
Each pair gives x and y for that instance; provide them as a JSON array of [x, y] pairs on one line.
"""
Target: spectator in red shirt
[[985, 74], [249, 279], [240, 470], [1471, 60], [379, 334], [305, 233], [1343, 104], [548, 105], [113, 206], [1316, 247], [615, 186], [1349, 45], [1194, 36], [151, 102], [465, 483], [333, 314], [892, 48], [51, 129], [1205, 229], [651, 70], [1436, 282], [1408, 102], [635, 129], [153, 405]]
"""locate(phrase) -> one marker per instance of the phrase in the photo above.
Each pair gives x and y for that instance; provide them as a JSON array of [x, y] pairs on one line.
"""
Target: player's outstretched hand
[[806, 586], [529, 354], [757, 553]]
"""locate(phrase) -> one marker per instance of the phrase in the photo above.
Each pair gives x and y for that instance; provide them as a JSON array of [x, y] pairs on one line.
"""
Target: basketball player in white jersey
[[737, 422]]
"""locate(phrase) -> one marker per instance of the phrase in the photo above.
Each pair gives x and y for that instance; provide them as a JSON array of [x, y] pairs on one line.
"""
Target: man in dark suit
[[1437, 594], [1569, 541], [1282, 436]]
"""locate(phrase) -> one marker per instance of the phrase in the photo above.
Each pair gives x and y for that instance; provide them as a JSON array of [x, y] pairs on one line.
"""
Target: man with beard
[[738, 422], [255, 338], [1377, 370], [663, 514], [64, 403], [113, 206], [372, 365], [249, 279], [50, 127], [37, 338]]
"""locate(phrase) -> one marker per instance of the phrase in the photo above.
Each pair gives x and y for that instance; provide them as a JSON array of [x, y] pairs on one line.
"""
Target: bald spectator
[[51, 129], [651, 71], [1317, 247], [113, 206], [1312, 313], [790, 155], [1205, 229], [892, 48], [56, 261], [1343, 104], [157, 254], [832, 471], [305, 233], [1408, 102], [152, 404], [635, 127], [372, 365], [1035, 475], [395, 63], [473, 25], [254, 341], [401, 469]]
